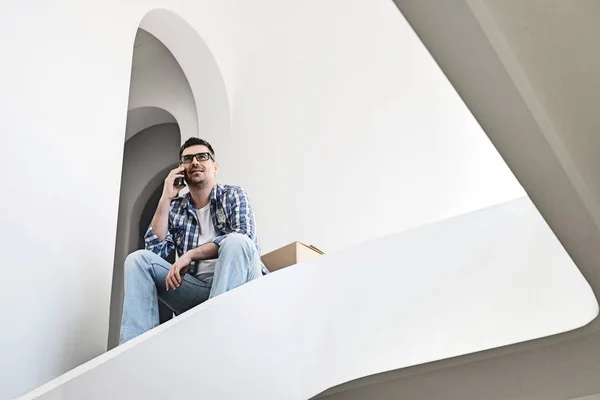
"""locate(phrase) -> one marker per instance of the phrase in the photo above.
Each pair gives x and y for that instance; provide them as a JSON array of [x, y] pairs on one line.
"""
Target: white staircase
[[486, 279]]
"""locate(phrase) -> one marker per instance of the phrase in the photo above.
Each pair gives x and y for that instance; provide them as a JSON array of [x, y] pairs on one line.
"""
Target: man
[[213, 231]]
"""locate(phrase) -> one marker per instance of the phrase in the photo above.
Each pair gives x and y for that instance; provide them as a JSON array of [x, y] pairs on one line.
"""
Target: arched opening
[[161, 111], [176, 92], [148, 156]]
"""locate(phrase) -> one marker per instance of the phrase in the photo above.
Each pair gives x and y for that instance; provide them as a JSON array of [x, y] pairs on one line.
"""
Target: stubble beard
[[197, 184]]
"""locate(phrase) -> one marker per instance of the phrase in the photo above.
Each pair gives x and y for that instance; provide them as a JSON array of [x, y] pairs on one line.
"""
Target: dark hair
[[194, 141]]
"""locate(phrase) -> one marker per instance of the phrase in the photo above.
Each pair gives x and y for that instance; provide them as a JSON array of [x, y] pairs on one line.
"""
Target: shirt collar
[[215, 194]]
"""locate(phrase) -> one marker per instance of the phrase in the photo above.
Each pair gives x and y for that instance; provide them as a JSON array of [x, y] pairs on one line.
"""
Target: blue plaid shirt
[[230, 211]]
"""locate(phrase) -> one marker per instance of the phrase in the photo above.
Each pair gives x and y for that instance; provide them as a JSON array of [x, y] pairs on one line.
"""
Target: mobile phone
[[179, 182]]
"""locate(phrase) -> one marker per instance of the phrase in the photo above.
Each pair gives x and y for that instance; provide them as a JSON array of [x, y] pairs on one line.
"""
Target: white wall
[[335, 119], [454, 287], [344, 129]]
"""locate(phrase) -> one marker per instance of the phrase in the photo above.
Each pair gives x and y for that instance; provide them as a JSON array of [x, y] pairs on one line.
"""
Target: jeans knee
[[136, 261], [237, 242]]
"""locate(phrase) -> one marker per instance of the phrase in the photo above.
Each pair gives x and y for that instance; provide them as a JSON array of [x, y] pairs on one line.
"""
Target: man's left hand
[[178, 271]]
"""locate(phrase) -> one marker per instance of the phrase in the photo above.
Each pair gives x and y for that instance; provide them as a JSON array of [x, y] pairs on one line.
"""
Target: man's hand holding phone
[[174, 183]]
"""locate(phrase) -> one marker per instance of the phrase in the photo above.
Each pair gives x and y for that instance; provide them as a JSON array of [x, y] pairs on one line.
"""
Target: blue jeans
[[145, 273]]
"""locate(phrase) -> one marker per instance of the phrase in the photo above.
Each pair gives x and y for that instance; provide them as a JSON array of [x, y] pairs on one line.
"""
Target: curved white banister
[[474, 282]]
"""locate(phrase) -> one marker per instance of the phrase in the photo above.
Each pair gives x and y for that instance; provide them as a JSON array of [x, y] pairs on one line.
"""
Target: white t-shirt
[[206, 268]]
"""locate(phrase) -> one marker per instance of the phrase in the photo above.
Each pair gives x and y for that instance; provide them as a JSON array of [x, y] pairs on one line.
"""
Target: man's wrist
[[187, 257], [207, 251], [192, 255], [164, 201]]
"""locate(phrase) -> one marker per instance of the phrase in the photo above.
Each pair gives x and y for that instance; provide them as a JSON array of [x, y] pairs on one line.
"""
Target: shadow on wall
[[147, 158], [147, 214], [141, 118]]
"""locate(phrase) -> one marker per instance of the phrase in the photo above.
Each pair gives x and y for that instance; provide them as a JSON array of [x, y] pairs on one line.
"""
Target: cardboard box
[[291, 254]]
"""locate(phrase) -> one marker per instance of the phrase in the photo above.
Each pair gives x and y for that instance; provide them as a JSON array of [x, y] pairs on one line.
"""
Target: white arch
[[158, 81], [199, 66], [174, 79]]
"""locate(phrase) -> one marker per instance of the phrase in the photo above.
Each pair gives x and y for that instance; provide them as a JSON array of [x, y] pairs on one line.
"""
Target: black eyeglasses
[[189, 158]]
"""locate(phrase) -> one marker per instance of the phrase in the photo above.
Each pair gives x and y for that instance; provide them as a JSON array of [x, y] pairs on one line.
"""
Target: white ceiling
[[592, 397], [557, 44]]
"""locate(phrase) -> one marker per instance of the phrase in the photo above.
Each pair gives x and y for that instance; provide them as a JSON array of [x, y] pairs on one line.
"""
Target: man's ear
[[216, 167]]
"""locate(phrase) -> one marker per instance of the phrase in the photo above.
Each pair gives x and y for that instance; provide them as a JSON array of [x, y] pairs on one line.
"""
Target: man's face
[[198, 172]]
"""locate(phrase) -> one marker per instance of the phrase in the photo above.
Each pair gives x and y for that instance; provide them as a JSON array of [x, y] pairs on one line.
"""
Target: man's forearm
[[207, 251], [160, 221]]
